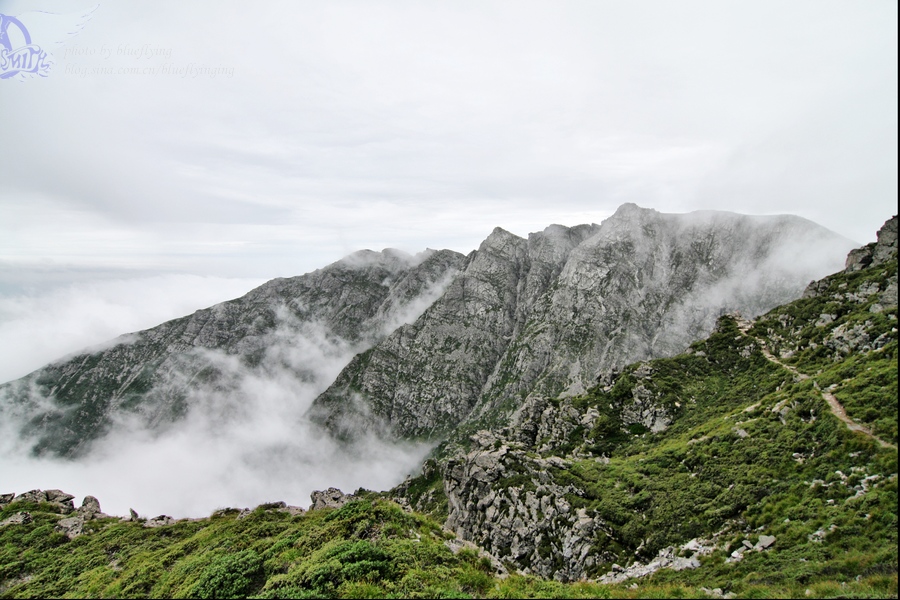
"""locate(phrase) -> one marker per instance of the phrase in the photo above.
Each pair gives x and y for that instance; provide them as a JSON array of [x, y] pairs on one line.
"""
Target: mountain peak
[[630, 209]]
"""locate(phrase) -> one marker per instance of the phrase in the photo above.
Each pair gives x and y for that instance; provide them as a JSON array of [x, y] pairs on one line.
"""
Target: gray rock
[[330, 498], [877, 253], [20, 518], [6, 499], [34, 496], [293, 510], [510, 523], [59, 499], [764, 542], [666, 559], [71, 527], [160, 521], [90, 508]]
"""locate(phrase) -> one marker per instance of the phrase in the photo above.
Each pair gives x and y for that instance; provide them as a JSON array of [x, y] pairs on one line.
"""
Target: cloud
[[218, 432], [42, 325], [412, 126]]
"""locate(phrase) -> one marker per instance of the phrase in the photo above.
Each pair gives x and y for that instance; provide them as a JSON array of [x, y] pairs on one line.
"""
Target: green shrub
[[230, 576]]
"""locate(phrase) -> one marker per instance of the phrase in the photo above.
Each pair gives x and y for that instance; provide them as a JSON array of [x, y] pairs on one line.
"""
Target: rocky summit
[[549, 314]]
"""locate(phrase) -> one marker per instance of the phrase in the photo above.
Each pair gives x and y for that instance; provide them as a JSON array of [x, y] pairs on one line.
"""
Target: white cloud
[[245, 439], [44, 325]]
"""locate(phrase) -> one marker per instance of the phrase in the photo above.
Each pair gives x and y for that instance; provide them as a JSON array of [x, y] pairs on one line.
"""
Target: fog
[[245, 439], [41, 325]]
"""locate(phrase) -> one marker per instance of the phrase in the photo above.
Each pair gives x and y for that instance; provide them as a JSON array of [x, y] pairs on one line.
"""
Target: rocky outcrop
[[878, 252], [330, 498], [71, 526], [507, 503], [58, 499]]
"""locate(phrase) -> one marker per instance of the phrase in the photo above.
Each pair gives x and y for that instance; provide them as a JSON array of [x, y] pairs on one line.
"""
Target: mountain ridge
[[479, 332]]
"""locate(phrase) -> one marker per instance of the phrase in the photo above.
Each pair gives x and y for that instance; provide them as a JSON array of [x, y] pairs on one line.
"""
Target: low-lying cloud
[[244, 440], [41, 326]]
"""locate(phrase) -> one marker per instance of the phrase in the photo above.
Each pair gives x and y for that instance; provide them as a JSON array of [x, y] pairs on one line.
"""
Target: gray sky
[[334, 126]]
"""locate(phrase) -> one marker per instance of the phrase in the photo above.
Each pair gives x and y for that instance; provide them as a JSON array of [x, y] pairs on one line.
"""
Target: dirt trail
[[836, 408]]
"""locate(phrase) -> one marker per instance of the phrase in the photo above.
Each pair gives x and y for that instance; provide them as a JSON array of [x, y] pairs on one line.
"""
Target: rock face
[[505, 502], [149, 375], [548, 315], [878, 252]]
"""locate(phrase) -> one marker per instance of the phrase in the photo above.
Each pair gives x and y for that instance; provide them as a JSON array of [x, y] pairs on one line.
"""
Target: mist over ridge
[[213, 408]]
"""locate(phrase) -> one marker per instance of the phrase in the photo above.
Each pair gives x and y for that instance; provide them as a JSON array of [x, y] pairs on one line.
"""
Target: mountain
[[154, 375], [759, 462], [781, 431], [415, 346], [550, 314]]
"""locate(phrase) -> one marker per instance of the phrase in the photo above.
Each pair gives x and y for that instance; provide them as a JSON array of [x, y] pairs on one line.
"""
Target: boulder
[[71, 527], [90, 509], [160, 521], [330, 498]]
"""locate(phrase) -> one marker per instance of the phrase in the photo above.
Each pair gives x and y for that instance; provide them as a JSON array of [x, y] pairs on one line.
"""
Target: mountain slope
[[783, 431], [419, 345], [549, 314], [344, 307]]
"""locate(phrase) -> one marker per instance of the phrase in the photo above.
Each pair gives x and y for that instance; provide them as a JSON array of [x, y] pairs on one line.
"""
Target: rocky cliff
[[549, 314]]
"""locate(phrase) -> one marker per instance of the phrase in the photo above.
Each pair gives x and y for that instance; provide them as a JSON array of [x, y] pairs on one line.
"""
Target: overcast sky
[[225, 144]]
